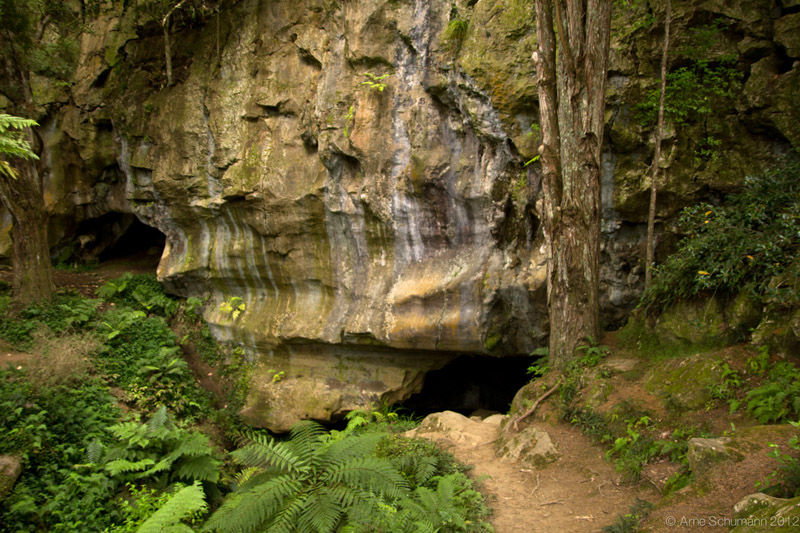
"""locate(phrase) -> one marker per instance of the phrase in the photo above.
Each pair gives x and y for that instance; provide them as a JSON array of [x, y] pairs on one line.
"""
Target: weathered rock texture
[[373, 233]]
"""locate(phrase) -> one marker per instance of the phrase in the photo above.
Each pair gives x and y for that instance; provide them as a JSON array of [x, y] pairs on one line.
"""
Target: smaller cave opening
[[113, 238], [138, 244], [471, 383]]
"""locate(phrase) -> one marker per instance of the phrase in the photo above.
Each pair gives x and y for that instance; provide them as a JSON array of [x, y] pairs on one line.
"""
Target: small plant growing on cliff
[[375, 82], [233, 306], [348, 119], [454, 34], [277, 376]]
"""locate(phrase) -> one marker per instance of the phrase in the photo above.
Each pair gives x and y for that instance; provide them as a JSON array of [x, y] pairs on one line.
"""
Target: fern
[[307, 483], [188, 501], [160, 451]]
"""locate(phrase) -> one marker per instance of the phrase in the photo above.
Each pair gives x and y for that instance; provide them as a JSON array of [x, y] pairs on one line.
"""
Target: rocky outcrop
[[353, 174]]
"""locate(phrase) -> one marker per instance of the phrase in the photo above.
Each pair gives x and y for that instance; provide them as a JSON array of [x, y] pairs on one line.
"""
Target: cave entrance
[[471, 383], [137, 245], [113, 239]]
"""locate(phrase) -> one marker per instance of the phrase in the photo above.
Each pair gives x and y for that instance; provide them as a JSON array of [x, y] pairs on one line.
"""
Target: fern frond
[[377, 475], [266, 453], [321, 511], [285, 521], [159, 420], [184, 503], [95, 451], [204, 468], [305, 438], [133, 432], [249, 510], [244, 476], [354, 446], [121, 466]]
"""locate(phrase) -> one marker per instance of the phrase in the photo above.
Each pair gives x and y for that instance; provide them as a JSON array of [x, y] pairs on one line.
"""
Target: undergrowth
[[749, 244], [88, 467]]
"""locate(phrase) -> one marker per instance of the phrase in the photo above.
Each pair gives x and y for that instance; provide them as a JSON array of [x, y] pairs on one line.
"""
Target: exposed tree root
[[530, 411]]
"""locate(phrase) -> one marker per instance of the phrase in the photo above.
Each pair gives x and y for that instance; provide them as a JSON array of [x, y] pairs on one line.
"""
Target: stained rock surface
[[351, 176]]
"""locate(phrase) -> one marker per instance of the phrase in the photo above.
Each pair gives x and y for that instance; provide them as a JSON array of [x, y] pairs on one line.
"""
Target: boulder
[[10, 470], [450, 428], [532, 446]]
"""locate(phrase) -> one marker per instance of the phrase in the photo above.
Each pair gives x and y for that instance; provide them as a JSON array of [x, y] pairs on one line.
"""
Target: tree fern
[[188, 501], [307, 483]]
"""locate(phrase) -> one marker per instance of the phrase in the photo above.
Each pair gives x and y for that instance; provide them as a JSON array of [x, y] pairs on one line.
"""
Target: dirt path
[[580, 492]]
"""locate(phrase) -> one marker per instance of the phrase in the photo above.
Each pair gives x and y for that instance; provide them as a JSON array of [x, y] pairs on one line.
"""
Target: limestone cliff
[[353, 173]]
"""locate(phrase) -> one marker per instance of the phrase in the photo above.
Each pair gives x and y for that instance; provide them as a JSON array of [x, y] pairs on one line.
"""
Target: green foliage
[[233, 306], [744, 245], [629, 522], [729, 387], [160, 452], [142, 292], [193, 308], [447, 506], [166, 384], [375, 81], [592, 352], [778, 398], [696, 93], [785, 481], [188, 502], [50, 428], [307, 482], [40, 37], [13, 143], [454, 33]]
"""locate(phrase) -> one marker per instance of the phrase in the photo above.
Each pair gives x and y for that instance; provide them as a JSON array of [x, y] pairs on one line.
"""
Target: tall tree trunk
[[572, 105], [651, 217], [33, 271], [167, 52]]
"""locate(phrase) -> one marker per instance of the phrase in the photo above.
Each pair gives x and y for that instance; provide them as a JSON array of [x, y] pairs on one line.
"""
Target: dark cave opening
[[471, 383], [137, 241], [113, 238]]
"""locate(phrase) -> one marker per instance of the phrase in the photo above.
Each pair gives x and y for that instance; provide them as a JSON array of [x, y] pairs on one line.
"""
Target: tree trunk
[[572, 105], [167, 52], [33, 271], [651, 217]]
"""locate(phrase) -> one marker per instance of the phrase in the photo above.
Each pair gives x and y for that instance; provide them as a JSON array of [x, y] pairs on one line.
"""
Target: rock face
[[353, 174]]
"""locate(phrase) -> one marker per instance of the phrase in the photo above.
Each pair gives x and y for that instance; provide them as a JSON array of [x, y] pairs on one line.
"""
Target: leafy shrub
[[778, 398], [50, 428], [155, 511], [132, 342], [168, 383], [785, 481], [740, 246], [140, 291], [160, 452]]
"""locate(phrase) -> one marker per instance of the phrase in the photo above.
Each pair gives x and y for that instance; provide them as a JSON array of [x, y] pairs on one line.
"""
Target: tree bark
[[33, 271], [572, 106], [651, 217], [167, 52]]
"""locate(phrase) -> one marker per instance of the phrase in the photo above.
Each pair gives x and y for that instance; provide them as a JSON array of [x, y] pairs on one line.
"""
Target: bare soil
[[579, 492]]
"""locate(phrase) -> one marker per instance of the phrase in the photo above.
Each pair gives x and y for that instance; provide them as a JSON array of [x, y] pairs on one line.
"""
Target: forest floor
[[584, 491], [581, 491]]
